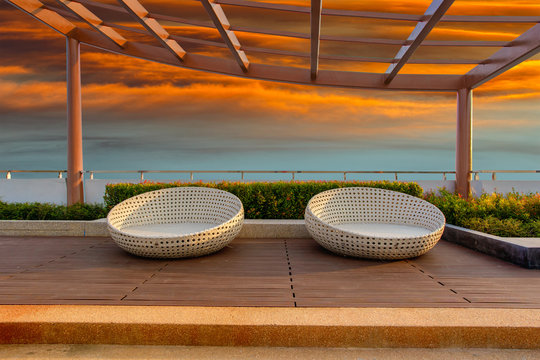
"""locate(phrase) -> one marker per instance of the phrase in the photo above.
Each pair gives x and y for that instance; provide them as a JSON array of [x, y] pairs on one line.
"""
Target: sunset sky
[[143, 115]]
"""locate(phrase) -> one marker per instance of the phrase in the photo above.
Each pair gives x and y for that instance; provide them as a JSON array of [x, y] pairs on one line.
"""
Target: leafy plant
[[262, 200], [45, 211], [503, 215]]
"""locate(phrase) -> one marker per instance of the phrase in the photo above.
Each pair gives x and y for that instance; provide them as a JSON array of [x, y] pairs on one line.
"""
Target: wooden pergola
[[81, 22]]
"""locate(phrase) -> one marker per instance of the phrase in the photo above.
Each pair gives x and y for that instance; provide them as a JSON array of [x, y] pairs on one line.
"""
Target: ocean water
[[40, 144], [51, 155]]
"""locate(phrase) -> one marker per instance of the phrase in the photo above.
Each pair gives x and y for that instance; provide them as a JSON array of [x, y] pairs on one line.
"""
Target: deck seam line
[[290, 271], [145, 280], [437, 281]]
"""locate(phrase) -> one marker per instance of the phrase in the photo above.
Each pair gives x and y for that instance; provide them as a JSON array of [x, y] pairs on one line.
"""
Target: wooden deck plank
[[417, 282], [256, 272]]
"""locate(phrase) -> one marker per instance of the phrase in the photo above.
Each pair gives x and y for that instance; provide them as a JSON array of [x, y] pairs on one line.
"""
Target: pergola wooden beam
[[298, 35], [222, 25], [275, 73], [380, 15], [375, 41], [513, 52], [153, 27], [190, 40], [433, 15], [94, 21], [37, 10], [519, 50], [491, 19], [316, 8]]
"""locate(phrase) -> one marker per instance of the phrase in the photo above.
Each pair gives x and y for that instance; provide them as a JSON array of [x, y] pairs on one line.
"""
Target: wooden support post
[[75, 191], [464, 142]]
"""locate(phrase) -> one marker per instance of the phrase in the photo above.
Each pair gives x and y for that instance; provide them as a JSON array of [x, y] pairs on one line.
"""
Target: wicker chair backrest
[[373, 205], [176, 205]]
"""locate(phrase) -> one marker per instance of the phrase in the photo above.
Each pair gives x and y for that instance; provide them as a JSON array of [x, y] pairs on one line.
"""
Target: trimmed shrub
[[506, 227], [44, 211], [262, 200], [502, 215]]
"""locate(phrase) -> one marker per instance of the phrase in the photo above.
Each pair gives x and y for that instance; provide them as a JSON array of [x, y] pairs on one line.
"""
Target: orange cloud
[[452, 31], [31, 96], [124, 88], [495, 7], [20, 26], [521, 82], [296, 113], [14, 70]]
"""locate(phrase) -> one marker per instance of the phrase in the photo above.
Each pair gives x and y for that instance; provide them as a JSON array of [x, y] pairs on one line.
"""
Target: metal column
[[75, 191]]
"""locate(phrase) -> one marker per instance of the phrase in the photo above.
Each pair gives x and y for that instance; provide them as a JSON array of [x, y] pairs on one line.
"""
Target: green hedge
[[262, 200], [511, 215], [503, 215], [40, 211]]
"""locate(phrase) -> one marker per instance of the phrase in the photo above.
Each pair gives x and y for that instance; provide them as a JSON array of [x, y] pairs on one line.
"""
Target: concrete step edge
[[275, 327]]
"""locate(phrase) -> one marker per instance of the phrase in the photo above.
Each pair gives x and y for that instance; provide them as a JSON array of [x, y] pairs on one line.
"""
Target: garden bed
[[524, 252], [511, 215]]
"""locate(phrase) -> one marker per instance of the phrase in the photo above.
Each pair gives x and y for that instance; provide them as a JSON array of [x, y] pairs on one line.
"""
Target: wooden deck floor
[[256, 272]]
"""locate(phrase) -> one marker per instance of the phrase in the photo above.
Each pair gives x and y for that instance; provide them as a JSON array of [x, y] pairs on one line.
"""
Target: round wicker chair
[[176, 222], [373, 223]]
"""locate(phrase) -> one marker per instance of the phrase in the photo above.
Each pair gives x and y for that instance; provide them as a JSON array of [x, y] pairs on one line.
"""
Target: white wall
[[33, 190], [507, 186], [95, 189]]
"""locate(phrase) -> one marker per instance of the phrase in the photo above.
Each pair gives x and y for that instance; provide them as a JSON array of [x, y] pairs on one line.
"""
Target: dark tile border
[[524, 252]]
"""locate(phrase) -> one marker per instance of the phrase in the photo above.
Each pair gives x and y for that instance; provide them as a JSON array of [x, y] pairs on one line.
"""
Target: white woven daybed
[[176, 222], [373, 223]]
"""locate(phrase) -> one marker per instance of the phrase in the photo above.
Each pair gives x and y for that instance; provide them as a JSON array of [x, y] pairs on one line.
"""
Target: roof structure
[[129, 27], [217, 36]]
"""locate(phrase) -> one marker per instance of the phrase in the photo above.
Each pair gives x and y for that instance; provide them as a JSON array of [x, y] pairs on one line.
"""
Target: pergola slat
[[37, 10], [466, 43], [331, 12], [298, 35], [381, 15], [351, 13], [185, 39], [170, 52], [519, 50], [153, 27], [222, 25], [491, 19], [93, 20], [374, 41], [316, 8], [434, 13], [273, 72]]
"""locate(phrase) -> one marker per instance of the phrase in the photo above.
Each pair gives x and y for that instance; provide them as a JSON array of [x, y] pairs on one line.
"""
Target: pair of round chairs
[[356, 221]]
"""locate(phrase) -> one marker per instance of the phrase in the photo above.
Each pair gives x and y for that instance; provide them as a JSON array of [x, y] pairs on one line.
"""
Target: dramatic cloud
[[13, 70], [522, 82], [126, 100]]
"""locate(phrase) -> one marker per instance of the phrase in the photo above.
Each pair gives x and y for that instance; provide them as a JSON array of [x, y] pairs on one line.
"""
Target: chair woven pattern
[[372, 205], [176, 206]]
